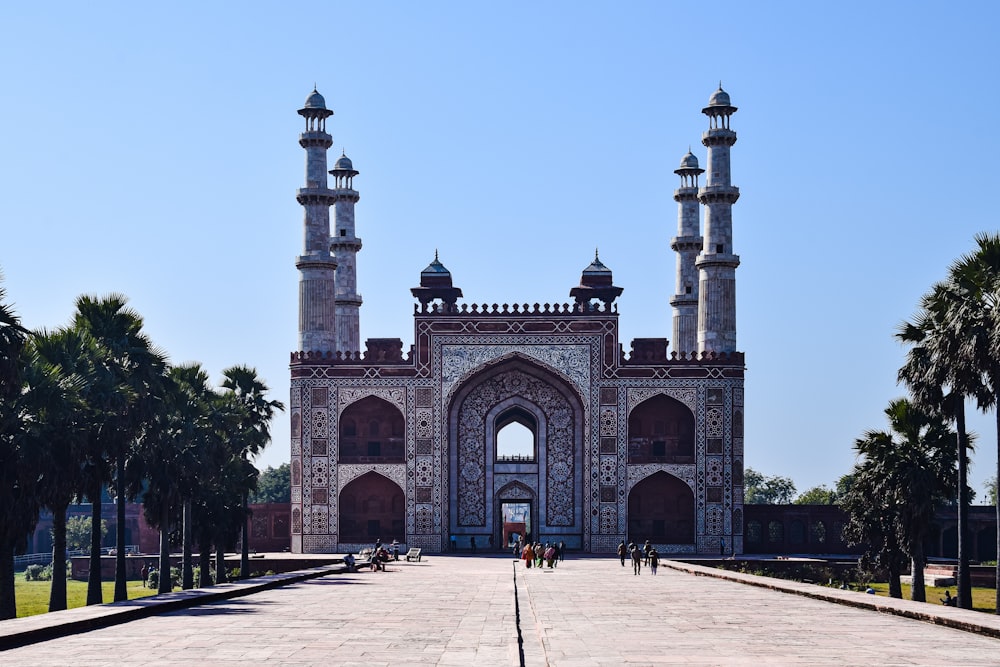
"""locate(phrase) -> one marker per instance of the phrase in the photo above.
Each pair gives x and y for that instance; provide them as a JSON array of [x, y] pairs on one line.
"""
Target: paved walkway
[[462, 611]]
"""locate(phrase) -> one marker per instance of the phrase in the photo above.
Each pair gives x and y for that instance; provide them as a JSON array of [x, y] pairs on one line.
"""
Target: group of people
[[380, 554], [645, 555], [539, 554]]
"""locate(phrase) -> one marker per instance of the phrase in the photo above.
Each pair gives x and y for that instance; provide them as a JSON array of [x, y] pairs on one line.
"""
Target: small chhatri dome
[[435, 283], [435, 270], [596, 269], [719, 98], [315, 101], [344, 162], [689, 161], [596, 283]]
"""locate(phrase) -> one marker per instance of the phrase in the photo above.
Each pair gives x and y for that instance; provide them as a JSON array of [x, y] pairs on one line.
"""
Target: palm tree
[[911, 469], [17, 479], [977, 317], [940, 373], [63, 434], [172, 458], [248, 397], [129, 369]]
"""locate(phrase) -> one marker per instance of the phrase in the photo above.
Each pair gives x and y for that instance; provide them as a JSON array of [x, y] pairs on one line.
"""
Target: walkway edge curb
[[130, 610], [950, 617]]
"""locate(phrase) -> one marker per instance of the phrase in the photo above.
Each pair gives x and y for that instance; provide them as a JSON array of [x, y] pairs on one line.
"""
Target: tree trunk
[[220, 563], [165, 585], [244, 538], [94, 594], [121, 583], [895, 588], [964, 576], [57, 592], [204, 562], [8, 605], [187, 571], [917, 592]]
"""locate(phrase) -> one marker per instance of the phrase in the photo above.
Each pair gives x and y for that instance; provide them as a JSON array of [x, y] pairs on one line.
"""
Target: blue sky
[[151, 149]]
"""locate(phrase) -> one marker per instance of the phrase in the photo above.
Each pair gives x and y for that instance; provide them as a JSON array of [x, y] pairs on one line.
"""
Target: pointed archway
[[372, 507], [661, 509], [516, 391]]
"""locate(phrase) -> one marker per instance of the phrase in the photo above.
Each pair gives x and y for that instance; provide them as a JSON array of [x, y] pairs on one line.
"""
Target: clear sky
[[151, 149]]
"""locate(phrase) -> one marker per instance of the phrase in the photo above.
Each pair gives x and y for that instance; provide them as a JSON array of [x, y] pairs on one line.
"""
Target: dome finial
[[596, 257], [435, 254]]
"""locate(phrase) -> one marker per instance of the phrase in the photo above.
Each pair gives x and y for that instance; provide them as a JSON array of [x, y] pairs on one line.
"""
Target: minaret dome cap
[[315, 101], [344, 162], [719, 98], [689, 161]]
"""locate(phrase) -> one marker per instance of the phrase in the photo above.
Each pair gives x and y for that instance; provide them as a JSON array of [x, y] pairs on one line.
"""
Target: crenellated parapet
[[505, 310]]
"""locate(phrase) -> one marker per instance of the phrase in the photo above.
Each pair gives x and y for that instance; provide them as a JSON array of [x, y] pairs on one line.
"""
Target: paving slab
[[462, 610]]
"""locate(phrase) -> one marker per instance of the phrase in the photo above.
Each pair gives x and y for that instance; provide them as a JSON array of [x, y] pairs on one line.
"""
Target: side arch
[[371, 430], [372, 507], [661, 509]]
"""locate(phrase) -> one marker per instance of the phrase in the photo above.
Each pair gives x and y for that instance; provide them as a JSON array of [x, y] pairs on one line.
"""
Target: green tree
[[975, 319], [78, 531], [123, 397], [274, 485], [63, 434], [941, 370], [991, 490], [907, 472], [247, 398], [844, 484], [173, 456], [18, 462], [817, 495], [762, 489]]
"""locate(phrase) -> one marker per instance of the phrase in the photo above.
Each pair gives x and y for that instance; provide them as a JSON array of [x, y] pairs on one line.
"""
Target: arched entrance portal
[[372, 507], [541, 478], [661, 510]]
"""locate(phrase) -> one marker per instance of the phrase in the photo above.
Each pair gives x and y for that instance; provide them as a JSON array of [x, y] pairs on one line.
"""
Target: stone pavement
[[455, 610]]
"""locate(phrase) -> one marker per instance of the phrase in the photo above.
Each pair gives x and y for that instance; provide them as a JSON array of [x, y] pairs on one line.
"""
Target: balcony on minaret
[[343, 173]]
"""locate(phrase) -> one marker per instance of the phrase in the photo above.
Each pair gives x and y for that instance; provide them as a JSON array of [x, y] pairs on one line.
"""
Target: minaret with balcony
[[317, 265], [686, 244], [717, 264], [345, 245]]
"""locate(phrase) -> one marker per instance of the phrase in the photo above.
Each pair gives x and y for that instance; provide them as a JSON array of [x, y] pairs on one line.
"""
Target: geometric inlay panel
[[394, 395], [559, 441], [713, 422]]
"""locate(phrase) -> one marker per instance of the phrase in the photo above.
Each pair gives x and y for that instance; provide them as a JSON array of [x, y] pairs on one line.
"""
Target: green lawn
[[33, 596], [983, 599]]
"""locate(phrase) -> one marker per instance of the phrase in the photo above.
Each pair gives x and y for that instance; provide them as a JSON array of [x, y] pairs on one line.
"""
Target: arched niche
[[372, 507], [661, 430], [661, 509], [372, 430]]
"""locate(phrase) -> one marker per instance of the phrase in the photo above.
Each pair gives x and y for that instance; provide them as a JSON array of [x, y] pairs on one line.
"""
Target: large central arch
[[536, 397]]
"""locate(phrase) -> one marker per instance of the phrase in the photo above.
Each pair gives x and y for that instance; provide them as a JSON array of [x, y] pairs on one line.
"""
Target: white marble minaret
[[345, 246], [717, 264], [686, 244], [317, 266]]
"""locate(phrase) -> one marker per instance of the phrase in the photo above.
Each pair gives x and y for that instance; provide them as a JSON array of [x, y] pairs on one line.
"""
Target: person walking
[[636, 560], [654, 561], [528, 554], [621, 552]]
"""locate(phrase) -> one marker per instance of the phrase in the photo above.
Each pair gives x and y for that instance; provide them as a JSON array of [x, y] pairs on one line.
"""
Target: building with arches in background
[[518, 420]]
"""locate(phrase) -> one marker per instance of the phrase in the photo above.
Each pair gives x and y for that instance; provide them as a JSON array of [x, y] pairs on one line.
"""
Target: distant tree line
[[95, 405]]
